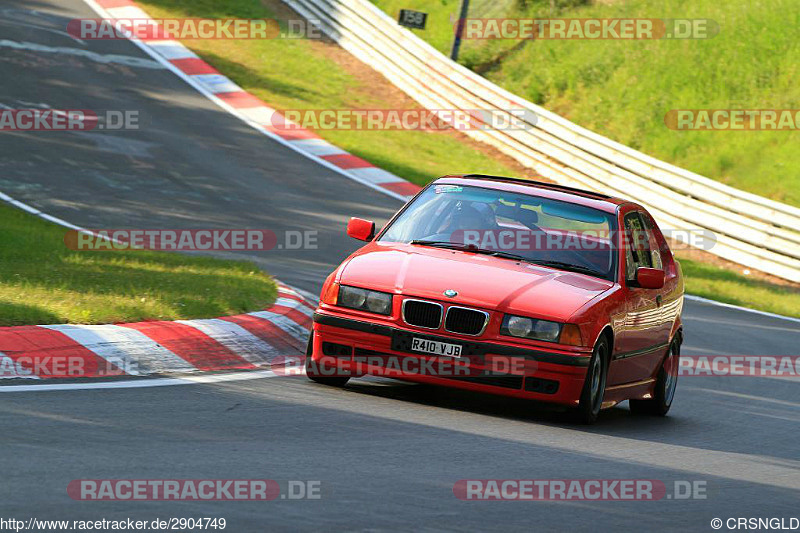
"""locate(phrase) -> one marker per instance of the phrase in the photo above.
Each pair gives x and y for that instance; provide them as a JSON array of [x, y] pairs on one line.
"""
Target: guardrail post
[[462, 19]]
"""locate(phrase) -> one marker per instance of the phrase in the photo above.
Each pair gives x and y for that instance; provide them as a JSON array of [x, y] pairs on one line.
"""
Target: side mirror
[[363, 230], [650, 278]]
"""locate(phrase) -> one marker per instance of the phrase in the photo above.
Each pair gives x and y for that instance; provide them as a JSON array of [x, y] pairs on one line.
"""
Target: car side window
[[655, 250], [637, 251]]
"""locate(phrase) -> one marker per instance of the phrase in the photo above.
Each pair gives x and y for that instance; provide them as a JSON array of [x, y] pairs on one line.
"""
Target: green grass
[[43, 282], [623, 89], [730, 287], [295, 74]]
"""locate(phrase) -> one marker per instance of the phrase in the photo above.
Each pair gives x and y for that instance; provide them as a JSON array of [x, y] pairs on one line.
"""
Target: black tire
[[665, 386], [595, 385], [311, 370]]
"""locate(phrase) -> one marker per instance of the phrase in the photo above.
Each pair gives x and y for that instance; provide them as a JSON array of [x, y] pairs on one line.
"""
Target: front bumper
[[356, 347]]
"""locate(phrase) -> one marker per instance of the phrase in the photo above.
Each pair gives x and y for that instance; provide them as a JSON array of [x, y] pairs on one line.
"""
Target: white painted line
[[59, 221], [144, 382], [236, 338], [740, 308], [131, 350], [741, 396], [25, 207]]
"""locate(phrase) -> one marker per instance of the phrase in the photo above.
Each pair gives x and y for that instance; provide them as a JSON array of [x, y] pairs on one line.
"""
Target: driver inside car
[[466, 217]]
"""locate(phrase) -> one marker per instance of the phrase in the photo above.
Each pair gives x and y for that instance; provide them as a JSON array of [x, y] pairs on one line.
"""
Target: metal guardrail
[[751, 230]]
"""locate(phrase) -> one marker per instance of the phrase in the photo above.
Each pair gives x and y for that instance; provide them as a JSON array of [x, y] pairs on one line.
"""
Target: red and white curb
[[240, 342], [228, 95]]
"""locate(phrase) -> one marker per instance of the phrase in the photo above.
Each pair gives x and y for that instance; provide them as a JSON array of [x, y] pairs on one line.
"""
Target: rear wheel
[[595, 385], [312, 370], [665, 386]]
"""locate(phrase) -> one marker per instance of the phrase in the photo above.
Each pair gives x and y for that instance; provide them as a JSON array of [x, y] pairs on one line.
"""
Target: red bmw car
[[511, 287]]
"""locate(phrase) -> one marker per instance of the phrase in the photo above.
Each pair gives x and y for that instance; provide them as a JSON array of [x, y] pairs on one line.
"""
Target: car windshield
[[515, 226]]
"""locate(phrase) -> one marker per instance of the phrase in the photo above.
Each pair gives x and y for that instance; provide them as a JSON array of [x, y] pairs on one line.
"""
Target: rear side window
[[661, 253], [638, 252]]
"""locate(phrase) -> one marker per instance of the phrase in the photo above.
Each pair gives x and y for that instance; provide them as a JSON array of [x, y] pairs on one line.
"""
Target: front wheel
[[666, 383], [312, 370], [595, 385]]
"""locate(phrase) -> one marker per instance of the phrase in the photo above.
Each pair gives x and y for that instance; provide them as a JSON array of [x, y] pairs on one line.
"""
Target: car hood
[[480, 280]]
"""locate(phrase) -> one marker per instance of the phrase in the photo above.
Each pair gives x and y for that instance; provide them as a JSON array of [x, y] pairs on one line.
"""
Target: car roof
[[553, 191]]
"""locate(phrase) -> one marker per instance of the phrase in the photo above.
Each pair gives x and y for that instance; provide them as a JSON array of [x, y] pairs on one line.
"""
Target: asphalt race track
[[387, 454]]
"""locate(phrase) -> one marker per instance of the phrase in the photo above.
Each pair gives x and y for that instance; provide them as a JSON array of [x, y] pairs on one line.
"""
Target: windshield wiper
[[446, 244], [571, 267], [509, 255]]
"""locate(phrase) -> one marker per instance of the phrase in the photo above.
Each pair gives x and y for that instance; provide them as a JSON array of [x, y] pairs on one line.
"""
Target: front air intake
[[422, 314], [466, 321]]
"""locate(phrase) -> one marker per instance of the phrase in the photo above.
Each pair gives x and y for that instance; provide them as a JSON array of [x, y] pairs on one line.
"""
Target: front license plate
[[435, 347]]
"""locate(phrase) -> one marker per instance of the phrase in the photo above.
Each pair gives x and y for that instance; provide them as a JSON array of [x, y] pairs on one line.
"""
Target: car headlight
[[530, 328], [365, 300]]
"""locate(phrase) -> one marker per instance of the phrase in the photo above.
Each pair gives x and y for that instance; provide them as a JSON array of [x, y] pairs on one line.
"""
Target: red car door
[[641, 338], [672, 292]]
